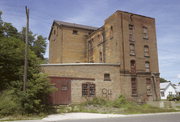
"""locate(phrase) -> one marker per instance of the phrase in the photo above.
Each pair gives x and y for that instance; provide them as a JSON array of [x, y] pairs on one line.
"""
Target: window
[[148, 81], [54, 31], [149, 87], [111, 32], [107, 77], [100, 57], [90, 51], [134, 87], [146, 51], [131, 31], [88, 89], [75, 32], [145, 32], [170, 93], [133, 66], [132, 49], [147, 66], [162, 94]]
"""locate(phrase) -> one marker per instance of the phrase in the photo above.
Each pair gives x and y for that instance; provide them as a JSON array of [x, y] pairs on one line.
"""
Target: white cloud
[[178, 76]]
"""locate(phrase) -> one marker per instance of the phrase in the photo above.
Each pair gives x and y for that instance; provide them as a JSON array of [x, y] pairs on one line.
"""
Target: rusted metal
[[63, 94]]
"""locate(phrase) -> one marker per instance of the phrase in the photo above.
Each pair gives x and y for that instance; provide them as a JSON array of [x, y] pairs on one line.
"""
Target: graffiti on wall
[[107, 93]]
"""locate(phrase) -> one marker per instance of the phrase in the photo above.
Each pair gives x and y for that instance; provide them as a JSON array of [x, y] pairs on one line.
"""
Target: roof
[[177, 88], [75, 25], [164, 85]]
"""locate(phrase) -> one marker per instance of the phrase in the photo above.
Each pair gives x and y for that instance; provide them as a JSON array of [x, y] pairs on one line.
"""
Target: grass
[[119, 106]]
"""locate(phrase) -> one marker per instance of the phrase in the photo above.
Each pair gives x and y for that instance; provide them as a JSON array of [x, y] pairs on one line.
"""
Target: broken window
[[145, 33], [133, 66], [132, 49], [107, 77], [88, 89], [134, 87], [147, 66], [131, 32], [146, 51], [75, 32]]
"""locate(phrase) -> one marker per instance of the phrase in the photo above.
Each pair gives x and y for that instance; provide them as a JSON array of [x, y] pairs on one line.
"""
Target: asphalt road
[[174, 117]]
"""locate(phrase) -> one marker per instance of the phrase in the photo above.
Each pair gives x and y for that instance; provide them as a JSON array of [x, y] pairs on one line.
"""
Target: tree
[[37, 43], [162, 80], [34, 99]]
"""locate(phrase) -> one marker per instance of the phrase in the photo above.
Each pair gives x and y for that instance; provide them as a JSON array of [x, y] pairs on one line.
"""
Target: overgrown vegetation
[[118, 106], [13, 100]]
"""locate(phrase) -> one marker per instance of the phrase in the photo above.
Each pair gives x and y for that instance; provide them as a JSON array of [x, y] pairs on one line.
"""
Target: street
[[169, 117]]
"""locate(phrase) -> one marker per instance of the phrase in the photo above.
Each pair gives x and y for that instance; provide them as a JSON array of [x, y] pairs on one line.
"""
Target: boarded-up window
[[132, 49], [133, 66], [131, 32], [145, 32], [147, 66], [107, 77], [146, 51], [148, 86], [134, 87], [88, 89]]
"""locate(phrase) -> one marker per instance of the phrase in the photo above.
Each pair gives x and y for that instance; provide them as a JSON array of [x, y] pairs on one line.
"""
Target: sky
[[94, 12]]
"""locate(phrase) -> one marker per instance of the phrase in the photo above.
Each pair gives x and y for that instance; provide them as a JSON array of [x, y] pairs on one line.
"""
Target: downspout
[[122, 42]]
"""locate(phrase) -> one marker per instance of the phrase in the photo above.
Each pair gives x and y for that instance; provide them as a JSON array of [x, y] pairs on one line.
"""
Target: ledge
[[82, 64]]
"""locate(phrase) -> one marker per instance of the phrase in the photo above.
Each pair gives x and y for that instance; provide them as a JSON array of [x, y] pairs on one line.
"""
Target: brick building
[[119, 58]]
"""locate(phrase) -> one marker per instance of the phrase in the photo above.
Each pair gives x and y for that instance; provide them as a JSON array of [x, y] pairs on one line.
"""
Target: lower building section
[[78, 83]]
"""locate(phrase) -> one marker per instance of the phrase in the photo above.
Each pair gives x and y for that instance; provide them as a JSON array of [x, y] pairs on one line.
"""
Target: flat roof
[[82, 64]]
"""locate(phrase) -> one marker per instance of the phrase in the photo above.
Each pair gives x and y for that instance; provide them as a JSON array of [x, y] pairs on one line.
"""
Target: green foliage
[[35, 99], [37, 43], [162, 80], [9, 103]]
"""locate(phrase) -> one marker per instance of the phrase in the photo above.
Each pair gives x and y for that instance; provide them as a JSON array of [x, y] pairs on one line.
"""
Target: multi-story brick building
[[119, 58]]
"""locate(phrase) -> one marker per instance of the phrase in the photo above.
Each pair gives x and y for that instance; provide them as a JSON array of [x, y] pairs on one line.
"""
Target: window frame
[[88, 89], [147, 67], [107, 77], [134, 92]]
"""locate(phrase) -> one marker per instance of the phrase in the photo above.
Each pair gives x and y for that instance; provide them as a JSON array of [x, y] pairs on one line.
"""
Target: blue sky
[[93, 13]]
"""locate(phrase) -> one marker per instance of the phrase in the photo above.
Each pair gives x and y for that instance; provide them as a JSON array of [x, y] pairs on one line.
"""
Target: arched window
[[146, 51], [132, 49], [133, 66], [147, 66]]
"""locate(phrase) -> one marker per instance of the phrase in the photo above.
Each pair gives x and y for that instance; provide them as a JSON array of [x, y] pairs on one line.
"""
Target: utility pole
[[26, 50]]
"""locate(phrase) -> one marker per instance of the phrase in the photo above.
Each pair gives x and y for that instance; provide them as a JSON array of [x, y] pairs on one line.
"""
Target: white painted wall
[[166, 92]]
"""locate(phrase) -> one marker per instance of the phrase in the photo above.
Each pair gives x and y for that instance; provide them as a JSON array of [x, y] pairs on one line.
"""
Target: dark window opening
[[133, 66], [88, 89], [134, 87], [111, 32], [107, 77], [100, 57], [75, 32], [131, 32]]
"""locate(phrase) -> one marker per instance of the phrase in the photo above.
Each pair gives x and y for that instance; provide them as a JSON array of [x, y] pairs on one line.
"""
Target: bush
[[9, 103], [35, 99], [121, 100]]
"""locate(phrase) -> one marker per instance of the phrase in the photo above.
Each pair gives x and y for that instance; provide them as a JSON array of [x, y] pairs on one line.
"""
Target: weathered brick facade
[[119, 58]]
